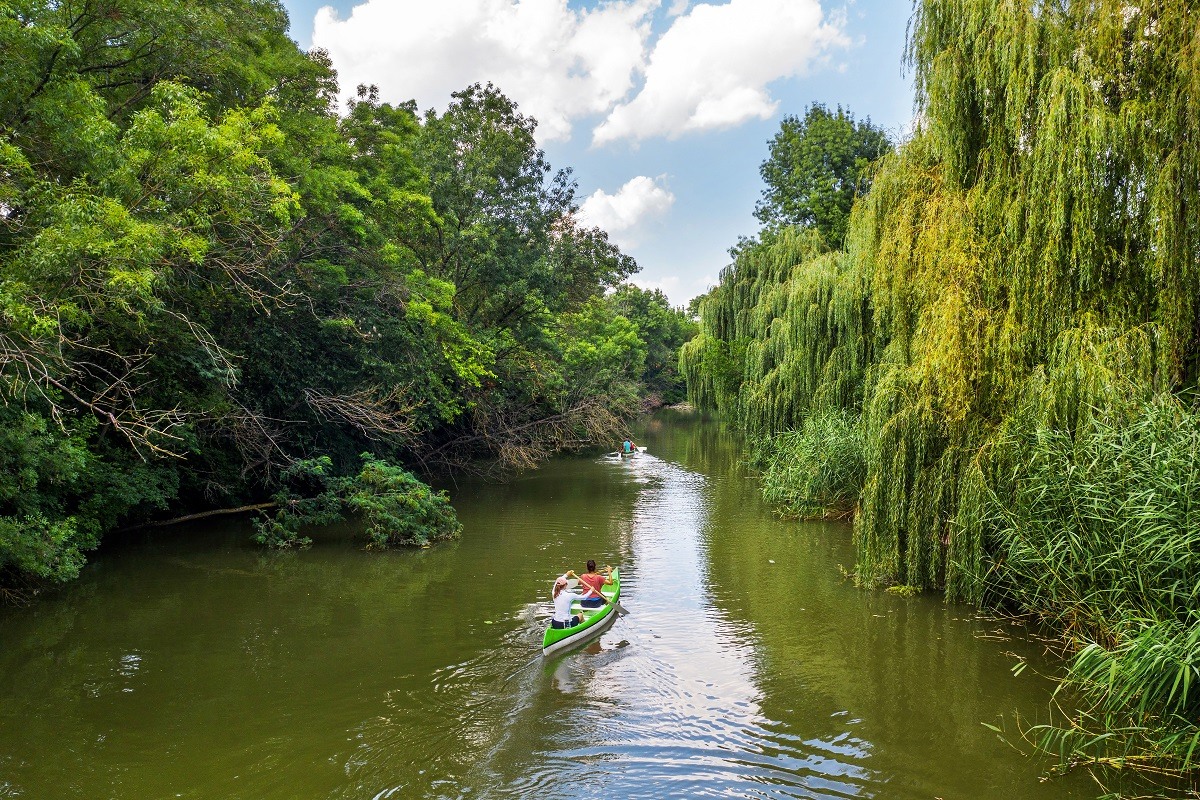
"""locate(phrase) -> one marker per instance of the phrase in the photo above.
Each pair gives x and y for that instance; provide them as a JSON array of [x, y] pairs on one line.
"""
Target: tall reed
[[816, 472], [1096, 529], [1101, 526]]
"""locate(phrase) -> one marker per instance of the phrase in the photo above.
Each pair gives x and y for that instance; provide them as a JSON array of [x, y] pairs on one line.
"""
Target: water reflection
[[190, 664]]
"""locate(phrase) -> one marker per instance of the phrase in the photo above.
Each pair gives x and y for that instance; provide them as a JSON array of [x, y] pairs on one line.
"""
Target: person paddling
[[562, 596], [592, 582]]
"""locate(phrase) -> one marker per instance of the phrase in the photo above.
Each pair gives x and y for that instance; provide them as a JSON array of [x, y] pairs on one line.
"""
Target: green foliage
[[968, 291], [213, 288], [600, 349], [396, 507], [57, 495], [785, 333], [818, 471], [1139, 701], [505, 235], [817, 167], [663, 330], [1015, 318], [308, 496], [39, 468]]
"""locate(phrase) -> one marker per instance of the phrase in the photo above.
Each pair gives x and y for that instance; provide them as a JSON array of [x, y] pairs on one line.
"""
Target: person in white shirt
[[563, 597]]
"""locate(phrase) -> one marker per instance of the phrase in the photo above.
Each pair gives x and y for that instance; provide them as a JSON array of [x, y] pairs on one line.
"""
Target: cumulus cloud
[[712, 67], [626, 214], [558, 63]]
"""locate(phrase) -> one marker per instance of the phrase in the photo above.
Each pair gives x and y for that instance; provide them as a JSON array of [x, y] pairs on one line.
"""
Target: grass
[[816, 472]]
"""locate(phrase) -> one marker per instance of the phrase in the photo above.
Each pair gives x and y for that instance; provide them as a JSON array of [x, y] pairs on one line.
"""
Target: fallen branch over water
[[202, 515]]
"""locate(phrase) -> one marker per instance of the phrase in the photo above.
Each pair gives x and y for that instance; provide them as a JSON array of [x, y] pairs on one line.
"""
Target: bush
[[396, 507], [818, 471]]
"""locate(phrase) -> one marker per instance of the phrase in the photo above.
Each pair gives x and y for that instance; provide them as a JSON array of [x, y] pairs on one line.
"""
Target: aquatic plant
[[817, 471]]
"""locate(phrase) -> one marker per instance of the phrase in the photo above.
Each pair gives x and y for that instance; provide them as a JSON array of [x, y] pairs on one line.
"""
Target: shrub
[[817, 471]]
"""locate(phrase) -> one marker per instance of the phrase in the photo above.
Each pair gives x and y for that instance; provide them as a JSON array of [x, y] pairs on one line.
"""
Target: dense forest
[[218, 291], [992, 366]]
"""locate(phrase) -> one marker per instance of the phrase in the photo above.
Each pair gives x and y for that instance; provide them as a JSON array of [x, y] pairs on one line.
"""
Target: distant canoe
[[631, 454], [595, 621]]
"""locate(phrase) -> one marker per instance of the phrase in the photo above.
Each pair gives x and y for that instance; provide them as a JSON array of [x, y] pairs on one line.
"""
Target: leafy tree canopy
[[664, 330], [817, 165], [214, 289]]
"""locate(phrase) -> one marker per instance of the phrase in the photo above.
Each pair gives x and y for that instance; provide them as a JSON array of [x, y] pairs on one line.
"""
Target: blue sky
[[664, 108]]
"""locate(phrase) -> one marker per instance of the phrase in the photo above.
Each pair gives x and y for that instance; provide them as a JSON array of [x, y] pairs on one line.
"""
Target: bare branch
[[376, 415], [114, 398], [519, 440], [258, 439]]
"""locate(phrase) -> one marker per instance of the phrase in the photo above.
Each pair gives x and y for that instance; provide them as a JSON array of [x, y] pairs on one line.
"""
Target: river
[[188, 663]]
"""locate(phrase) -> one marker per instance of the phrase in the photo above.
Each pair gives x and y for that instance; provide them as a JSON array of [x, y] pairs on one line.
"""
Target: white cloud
[[712, 67], [626, 214], [679, 288], [557, 63], [668, 285]]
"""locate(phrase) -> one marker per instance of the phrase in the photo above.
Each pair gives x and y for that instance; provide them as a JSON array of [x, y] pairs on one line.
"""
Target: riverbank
[[993, 364]]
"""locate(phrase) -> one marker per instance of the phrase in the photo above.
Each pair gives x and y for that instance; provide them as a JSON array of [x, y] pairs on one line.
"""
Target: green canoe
[[595, 621]]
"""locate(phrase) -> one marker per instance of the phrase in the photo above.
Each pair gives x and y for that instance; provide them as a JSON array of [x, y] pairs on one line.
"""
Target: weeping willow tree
[[1023, 272], [786, 332]]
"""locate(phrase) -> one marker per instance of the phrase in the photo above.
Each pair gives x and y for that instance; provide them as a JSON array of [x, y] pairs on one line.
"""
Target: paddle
[[616, 604], [573, 583]]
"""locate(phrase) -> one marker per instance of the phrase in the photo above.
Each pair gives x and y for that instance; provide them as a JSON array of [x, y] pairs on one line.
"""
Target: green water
[[187, 663]]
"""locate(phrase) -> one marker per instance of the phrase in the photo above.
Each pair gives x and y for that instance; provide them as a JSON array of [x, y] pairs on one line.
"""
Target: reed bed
[[816, 472], [1098, 533], [1099, 528]]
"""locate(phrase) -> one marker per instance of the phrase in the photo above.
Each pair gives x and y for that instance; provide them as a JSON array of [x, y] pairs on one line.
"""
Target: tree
[[816, 168], [120, 242], [663, 330], [1013, 338], [505, 233], [208, 280]]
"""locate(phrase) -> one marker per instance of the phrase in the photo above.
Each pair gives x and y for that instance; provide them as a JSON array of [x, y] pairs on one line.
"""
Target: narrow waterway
[[188, 663]]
